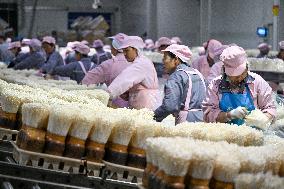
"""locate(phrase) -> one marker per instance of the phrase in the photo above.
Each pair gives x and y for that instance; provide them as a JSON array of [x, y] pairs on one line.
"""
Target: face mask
[[25, 49]]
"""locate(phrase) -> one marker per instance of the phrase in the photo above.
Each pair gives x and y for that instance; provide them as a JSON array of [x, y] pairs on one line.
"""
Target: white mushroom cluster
[[219, 162]]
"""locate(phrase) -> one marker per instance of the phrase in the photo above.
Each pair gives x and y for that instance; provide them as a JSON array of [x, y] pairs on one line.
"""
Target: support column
[[276, 5], [205, 20], [152, 19]]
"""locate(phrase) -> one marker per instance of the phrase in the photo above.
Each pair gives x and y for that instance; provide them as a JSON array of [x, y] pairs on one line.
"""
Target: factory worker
[[101, 55], [163, 43], [263, 50], [238, 91], [25, 45], [176, 40], [204, 63], [139, 79], [15, 49], [85, 42], [184, 90], [78, 69], [281, 50], [53, 58], [108, 70], [70, 53], [5, 55], [149, 45], [217, 69], [34, 60]]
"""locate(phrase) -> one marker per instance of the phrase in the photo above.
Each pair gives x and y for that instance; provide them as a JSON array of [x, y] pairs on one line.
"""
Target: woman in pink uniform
[[204, 63], [108, 70], [232, 95], [139, 79]]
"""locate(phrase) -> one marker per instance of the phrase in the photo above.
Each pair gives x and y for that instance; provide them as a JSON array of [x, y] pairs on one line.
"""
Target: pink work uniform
[[106, 73], [201, 64], [140, 80], [259, 88], [215, 71]]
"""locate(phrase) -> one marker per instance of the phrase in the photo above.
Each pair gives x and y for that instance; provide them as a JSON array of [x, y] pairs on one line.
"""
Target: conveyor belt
[[16, 176]]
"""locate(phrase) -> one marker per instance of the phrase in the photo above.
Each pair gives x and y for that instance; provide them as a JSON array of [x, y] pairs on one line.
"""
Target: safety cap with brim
[[13, 45], [235, 60], [281, 45], [81, 48], [117, 40], [212, 45], [263, 46], [181, 51], [163, 41], [49, 40], [133, 41]]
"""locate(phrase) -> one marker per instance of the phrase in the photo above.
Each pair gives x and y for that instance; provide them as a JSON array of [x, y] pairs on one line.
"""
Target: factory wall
[[53, 14], [231, 21], [179, 18], [236, 21], [134, 17], [281, 21]]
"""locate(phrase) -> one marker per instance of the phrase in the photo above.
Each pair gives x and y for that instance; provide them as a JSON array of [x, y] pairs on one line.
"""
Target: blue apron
[[231, 101]]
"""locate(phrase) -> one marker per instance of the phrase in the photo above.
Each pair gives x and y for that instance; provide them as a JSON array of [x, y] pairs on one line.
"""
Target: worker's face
[[114, 52], [130, 54], [170, 63], [264, 51], [238, 79], [14, 51], [47, 48], [77, 56], [281, 54]]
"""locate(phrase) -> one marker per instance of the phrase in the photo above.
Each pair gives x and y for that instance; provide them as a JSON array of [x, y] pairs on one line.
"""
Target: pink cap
[[163, 41], [15, 44], [26, 41], [133, 41], [212, 45], [235, 60], [181, 51], [281, 44], [35, 44], [81, 48], [85, 42], [218, 51], [201, 51], [263, 46], [117, 40], [149, 44], [48, 39], [176, 40], [98, 43]]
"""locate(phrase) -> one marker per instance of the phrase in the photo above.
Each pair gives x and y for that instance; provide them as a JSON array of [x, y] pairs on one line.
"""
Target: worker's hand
[[238, 113]]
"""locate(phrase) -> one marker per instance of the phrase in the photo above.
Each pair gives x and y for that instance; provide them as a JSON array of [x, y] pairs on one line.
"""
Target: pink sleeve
[[265, 100], [98, 74], [210, 105], [129, 77], [195, 63], [216, 70]]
